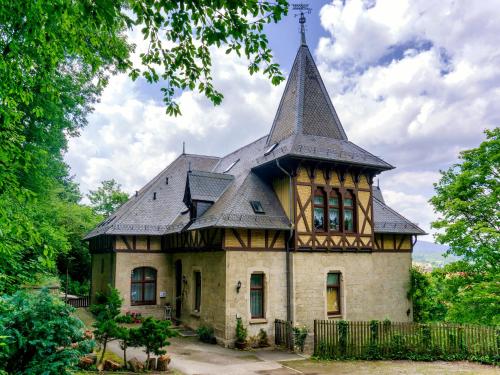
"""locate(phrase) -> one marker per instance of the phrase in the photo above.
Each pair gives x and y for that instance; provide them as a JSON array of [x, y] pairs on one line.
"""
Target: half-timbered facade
[[289, 226]]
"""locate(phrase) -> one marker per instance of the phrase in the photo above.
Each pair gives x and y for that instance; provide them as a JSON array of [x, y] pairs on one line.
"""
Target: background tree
[[107, 198], [468, 202], [55, 59]]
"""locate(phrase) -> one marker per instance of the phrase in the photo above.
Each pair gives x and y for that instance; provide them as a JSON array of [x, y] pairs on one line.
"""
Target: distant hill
[[430, 255]]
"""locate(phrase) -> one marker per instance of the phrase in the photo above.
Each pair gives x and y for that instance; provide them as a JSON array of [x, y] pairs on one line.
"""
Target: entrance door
[[178, 288]]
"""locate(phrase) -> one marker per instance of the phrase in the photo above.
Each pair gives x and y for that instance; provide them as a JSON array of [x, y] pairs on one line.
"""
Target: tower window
[[319, 210]]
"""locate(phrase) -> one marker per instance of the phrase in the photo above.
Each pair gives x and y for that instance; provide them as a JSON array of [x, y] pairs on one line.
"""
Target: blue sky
[[413, 81]]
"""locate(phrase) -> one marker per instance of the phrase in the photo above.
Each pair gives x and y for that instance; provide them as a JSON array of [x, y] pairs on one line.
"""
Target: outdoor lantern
[[238, 286]]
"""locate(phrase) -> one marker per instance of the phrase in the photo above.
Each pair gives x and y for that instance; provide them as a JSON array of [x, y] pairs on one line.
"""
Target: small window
[[257, 295], [231, 166], [349, 216], [197, 291], [271, 149], [319, 210], [333, 293], [143, 288], [257, 207]]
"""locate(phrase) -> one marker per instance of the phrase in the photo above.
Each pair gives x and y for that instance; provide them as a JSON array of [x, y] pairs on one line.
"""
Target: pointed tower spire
[[305, 107]]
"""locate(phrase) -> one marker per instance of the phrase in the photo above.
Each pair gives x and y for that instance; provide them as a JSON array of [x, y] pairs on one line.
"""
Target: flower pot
[[240, 345]]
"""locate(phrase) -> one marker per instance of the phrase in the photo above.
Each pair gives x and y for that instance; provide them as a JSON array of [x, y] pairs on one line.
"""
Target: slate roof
[[142, 214], [306, 126], [389, 221], [206, 186], [305, 106]]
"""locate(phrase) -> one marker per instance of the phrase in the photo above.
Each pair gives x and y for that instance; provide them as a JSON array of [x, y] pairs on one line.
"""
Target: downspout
[[289, 310]]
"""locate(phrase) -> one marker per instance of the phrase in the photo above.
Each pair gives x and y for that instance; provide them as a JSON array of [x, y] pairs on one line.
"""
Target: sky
[[413, 82]]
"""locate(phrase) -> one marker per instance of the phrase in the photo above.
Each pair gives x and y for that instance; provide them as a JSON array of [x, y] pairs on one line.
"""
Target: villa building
[[287, 227]]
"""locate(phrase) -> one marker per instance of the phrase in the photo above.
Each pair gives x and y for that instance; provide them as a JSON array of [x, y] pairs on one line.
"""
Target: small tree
[[153, 334], [106, 310], [129, 337]]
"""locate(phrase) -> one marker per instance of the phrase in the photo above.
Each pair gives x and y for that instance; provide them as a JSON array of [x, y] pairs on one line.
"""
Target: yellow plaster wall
[[281, 187]]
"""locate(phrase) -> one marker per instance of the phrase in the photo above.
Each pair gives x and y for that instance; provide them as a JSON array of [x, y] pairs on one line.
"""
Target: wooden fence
[[78, 302], [342, 339], [283, 334]]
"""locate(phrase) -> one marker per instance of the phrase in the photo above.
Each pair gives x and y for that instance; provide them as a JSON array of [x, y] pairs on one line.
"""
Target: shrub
[[206, 334], [43, 337], [299, 336], [153, 334], [241, 332], [263, 339]]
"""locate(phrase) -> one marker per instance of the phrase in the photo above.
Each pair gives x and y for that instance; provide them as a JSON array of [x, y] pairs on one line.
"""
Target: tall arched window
[[349, 213], [334, 211], [143, 286], [319, 205]]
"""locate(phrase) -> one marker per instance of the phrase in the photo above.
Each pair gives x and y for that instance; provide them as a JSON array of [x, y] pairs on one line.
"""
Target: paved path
[[193, 357]]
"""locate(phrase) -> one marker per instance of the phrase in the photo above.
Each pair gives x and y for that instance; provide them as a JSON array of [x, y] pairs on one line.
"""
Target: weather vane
[[302, 7]]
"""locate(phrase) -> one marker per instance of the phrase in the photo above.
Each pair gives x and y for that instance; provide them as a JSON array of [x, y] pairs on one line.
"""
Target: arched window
[[334, 211], [349, 214], [143, 286], [319, 205]]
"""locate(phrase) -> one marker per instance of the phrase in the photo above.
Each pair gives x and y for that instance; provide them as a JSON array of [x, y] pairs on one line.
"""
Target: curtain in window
[[143, 286], [257, 296]]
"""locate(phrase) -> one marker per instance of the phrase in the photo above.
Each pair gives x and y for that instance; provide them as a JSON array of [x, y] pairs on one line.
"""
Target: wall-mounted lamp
[[238, 286]]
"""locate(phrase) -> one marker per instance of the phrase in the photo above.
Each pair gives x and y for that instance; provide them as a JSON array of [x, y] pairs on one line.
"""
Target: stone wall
[[126, 262], [373, 286], [239, 266], [212, 266]]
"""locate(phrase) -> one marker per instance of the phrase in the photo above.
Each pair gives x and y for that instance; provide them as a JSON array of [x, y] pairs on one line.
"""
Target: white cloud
[[414, 82]]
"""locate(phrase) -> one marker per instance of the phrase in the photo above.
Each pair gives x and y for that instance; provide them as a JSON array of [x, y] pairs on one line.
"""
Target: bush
[[241, 332], [43, 337], [206, 334], [263, 340], [299, 336]]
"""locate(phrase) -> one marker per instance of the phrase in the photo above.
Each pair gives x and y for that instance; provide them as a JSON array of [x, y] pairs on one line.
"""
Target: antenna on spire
[[302, 7]]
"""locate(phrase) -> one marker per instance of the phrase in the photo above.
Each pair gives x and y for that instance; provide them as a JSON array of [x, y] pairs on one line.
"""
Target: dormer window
[[257, 207]]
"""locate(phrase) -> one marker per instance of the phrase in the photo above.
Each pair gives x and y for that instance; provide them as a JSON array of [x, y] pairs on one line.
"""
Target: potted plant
[[241, 335]]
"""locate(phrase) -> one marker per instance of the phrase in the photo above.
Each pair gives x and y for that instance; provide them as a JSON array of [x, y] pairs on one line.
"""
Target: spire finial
[[183, 148], [302, 20]]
